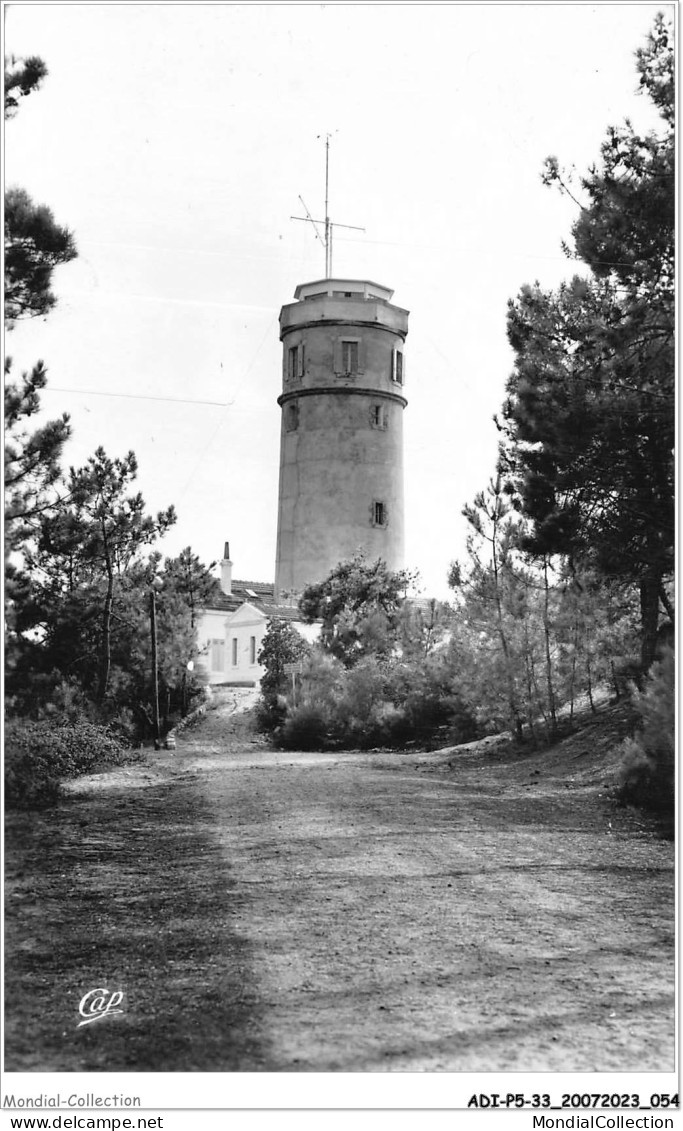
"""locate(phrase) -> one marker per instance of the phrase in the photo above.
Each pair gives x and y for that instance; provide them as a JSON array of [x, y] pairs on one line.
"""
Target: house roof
[[260, 594]]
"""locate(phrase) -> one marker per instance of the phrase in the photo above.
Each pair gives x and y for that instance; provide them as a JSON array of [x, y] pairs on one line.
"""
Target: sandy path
[[415, 918], [267, 911]]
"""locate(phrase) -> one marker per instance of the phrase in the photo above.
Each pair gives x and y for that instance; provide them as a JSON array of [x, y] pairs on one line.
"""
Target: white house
[[230, 629]]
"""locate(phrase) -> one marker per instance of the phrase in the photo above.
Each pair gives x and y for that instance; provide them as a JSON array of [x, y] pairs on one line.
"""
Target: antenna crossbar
[[333, 223], [328, 224]]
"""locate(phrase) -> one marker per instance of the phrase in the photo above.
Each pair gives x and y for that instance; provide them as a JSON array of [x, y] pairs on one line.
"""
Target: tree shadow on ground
[[99, 895]]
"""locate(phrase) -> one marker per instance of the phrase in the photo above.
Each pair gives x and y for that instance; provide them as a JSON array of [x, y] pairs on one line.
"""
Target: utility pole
[[155, 586]]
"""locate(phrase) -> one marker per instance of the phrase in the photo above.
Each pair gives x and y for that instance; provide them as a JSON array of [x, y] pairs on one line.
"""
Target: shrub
[[627, 674], [282, 644], [363, 707], [271, 713], [336, 706], [305, 728], [647, 772], [47, 695], [430, 710], [314, 718], [39, 755], [375, 703]]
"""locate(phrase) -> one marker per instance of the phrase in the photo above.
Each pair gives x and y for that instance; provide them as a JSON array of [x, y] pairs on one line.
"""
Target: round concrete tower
[[341, 446]]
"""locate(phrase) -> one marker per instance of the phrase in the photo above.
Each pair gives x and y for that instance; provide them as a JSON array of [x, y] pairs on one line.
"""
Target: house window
[[397, 366], [252, 649], [350, 357], [379, 512], [234, 652], [217, 655]]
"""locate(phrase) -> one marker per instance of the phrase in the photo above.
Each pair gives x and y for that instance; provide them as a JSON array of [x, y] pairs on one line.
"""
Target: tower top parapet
[[343, 302], [343, 288]]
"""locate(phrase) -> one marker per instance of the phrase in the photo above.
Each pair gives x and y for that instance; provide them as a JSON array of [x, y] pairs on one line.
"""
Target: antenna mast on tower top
[[329, 224], [328, 247]]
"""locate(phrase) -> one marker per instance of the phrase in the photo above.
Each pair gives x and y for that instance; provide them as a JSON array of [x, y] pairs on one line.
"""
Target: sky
[[176, 140]]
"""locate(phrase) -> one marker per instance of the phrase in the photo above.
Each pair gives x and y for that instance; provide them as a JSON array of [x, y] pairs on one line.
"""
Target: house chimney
[[226, 571]]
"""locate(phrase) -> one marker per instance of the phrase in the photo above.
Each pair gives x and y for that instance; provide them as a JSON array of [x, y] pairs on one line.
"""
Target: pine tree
[[34, 245], [589, 415], [80, 571], [32, 458], [358, 604], [191, 579], [22, 77], [494, 534]]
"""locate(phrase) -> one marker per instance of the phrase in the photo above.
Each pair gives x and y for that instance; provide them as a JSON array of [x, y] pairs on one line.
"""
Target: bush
[[430, 710], [305, 728], [281, 645], [363, 708], [376, 703], [313, 721], [647, 772], [39, 755], [271, 713]]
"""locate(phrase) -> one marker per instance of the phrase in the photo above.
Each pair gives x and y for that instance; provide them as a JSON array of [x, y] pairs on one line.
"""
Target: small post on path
[[293, 669]]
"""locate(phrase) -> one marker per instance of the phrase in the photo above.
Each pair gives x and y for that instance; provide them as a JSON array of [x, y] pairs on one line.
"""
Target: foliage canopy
[[588, 421]]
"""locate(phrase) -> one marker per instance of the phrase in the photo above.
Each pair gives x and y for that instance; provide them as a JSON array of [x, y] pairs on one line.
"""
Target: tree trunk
[[539, 696], [670, 611], [649, 615], [155, 667], [548, 659], [512, 698], [590, 683], [529, 689], [572, 681], [105, 656]]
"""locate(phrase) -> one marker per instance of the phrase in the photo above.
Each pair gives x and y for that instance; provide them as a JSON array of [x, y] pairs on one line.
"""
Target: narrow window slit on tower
[[295, 362], [397, 366], [380, 514], [378, 416], [292, 417], [350, 357]]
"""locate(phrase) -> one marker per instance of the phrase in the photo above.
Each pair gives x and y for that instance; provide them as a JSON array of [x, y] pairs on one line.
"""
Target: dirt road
[[366, 913]]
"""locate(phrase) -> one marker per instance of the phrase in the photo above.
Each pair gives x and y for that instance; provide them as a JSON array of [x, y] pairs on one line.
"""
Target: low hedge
[[40, 755], [648, 769]]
